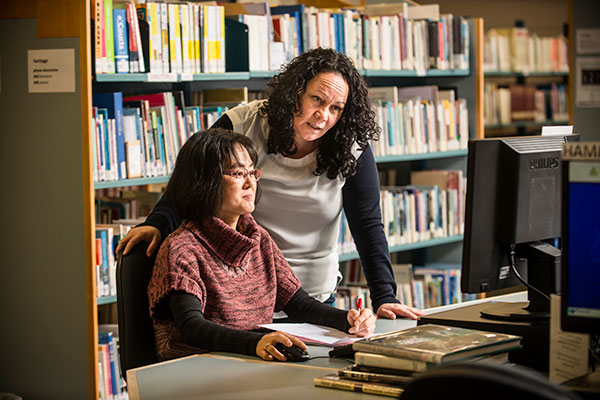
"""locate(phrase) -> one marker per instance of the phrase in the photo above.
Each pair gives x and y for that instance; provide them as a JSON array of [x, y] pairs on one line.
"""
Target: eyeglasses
[[241, 174]]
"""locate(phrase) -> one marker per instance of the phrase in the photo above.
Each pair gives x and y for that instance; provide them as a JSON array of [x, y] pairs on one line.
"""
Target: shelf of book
[[379, 160], [412, 74], [409, 246], [171, 78], [524, 124], [241, 76], [131, 182], [525, 73], [421, 156], [106, 300]]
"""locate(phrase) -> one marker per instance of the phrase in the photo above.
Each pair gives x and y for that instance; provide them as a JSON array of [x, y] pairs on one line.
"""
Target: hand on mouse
[[362, 323], [266, 350]]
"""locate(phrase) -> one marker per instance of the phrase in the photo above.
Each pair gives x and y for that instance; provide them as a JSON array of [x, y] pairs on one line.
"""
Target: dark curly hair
[[195, 189], [356, 125]]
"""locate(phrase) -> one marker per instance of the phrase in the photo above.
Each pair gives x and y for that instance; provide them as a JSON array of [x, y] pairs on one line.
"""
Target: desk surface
[[232, 376]]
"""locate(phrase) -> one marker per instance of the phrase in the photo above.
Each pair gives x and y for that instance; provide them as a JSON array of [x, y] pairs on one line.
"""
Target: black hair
[[195, 189], [357, 124]]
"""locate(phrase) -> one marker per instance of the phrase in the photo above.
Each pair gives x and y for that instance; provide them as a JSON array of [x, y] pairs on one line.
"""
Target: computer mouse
[[293, 353]]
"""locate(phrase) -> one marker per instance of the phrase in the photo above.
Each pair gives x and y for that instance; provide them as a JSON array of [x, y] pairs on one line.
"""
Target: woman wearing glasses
[[312, 135], [219, 274]]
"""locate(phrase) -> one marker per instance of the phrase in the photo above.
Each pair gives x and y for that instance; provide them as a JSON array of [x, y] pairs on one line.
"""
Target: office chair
[[136, 333], [484, 380]]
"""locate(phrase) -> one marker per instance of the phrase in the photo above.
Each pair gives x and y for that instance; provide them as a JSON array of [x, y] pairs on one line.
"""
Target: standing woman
[[312, 135]]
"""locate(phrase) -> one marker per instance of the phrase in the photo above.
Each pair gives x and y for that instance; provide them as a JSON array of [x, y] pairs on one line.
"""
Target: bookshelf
[[467, 82], [53, 160], [526, 82]]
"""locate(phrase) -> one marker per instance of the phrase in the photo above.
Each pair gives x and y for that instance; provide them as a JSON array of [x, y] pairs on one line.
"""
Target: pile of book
[[385, 364]]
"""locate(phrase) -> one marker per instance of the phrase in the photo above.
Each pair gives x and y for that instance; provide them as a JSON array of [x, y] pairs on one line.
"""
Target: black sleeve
[[162, 216], [223, 122], [199, 332], [302, 307], [363, 211]]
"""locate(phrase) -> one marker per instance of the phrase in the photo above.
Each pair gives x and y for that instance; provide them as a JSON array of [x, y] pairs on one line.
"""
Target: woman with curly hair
[[312, 134]]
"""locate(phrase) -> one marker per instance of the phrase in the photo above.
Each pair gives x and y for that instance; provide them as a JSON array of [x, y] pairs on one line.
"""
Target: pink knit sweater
[[240, 277]]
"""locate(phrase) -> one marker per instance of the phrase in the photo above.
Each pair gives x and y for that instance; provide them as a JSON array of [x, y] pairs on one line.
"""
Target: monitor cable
[[519, 277]]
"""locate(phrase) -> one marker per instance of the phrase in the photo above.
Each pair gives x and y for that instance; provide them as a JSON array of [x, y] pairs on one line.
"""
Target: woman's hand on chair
[[140, 234]]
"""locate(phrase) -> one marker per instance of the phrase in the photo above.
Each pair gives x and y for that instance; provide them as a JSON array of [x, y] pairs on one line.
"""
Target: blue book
[[113, 102], [297, 11], [391, 123], [121, 40], [161, 141], [107, 338]]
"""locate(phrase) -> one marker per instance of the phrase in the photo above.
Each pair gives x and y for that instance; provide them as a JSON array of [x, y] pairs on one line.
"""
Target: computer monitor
[[512, 222], [580, 296]]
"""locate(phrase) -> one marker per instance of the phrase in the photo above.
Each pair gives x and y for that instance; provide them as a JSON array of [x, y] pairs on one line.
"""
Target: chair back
[[136, 333]]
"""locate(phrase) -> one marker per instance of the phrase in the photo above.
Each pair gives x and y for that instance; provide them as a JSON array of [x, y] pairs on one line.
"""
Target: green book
[[438, 344]]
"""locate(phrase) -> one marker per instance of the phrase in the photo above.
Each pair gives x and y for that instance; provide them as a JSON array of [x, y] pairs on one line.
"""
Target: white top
[[301, 211]]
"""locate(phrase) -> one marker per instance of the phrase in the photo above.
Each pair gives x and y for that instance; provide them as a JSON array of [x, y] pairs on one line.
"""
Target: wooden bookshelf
[[56, 164]]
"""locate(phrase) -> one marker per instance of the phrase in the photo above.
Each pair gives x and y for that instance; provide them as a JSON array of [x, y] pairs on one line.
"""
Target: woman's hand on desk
[[139, 234], [390, 310], [362, 322], [266, 350]]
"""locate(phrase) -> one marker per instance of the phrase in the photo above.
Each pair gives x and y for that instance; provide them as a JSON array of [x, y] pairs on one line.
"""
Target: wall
[[43, 297]]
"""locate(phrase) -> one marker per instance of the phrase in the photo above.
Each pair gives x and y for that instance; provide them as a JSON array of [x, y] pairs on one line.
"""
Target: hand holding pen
[[361, 320]]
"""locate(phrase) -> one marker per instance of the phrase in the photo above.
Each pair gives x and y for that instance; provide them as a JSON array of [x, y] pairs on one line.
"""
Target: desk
[[232, 376]]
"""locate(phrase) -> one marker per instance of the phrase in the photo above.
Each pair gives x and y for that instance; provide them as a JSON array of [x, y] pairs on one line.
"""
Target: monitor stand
[[513, 312]]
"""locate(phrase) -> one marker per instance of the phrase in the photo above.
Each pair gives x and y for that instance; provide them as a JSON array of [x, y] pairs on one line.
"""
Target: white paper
[[557, 130], [315, 334], [568, 351], [587, 84], [51, 71], [588, 41]]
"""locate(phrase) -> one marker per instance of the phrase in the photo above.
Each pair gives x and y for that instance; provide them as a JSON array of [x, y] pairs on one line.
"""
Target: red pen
[[359, 304], [359, 308]]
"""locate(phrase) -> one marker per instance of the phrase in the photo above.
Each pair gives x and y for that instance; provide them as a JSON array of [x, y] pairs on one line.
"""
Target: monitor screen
[[581, 238], [512, 221]]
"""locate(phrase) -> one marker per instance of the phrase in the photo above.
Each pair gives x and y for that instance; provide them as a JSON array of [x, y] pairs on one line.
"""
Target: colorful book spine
[[109, 37], [121, 37]]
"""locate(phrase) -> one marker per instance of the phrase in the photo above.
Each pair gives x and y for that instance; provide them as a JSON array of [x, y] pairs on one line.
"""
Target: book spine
[[121, 41], [109, 39], [134, 49], [359, 387], [397, 355], [99, 37]]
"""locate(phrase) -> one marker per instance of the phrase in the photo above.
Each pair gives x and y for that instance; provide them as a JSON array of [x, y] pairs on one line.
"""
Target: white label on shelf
[[51, 71], [162, 77], [186, 76]]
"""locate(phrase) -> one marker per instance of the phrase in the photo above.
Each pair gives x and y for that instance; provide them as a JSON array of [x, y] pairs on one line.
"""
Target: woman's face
[[238, 194], [321, 107]]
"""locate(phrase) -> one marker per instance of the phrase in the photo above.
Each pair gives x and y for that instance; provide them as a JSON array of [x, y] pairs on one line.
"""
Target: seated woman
[[220, 275]]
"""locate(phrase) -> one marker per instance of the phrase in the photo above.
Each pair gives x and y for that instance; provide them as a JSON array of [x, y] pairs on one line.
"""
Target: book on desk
[[385, 363]]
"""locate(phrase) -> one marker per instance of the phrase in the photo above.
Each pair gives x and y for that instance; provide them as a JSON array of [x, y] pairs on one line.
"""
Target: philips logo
[[543, 163]]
